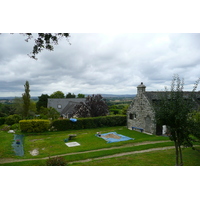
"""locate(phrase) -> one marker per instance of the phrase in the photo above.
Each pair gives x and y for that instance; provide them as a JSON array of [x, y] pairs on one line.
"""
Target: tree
[[57, 95], [69, 95], [80, 96], [174, 110], [44, 41], [26, 100], [42, 101], [93, 106]]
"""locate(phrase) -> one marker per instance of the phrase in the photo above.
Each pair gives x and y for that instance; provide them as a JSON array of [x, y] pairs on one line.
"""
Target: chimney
[[141, 88]]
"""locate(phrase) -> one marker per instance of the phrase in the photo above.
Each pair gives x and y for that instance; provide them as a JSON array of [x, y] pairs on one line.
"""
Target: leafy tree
[[18, 105], [57, 95], [44, 41], [69, 95], [6, 110], [93, 106], [42, 101], [26, 100], [49, 113], [81, 96], [174, 110]]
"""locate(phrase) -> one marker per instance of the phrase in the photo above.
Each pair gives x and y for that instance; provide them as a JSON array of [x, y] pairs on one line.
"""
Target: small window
[[131, 116], [59, 106], [134, 116]]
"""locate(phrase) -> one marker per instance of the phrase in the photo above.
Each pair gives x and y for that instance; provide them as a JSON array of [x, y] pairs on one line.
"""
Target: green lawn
[[156, 158], [52, 143]]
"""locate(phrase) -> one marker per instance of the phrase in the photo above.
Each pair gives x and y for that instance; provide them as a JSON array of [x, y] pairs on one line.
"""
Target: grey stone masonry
[[140, 112]]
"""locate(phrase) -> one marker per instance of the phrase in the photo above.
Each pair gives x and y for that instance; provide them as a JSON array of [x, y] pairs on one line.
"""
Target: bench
[[136, 128], [71, 136]]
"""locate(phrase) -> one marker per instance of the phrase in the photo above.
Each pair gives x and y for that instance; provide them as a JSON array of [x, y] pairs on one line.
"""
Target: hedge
[[34, 126], [87, 123]]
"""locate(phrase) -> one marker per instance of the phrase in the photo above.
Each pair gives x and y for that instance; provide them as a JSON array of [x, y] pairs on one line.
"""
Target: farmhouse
[[141, 112], [65, 106]]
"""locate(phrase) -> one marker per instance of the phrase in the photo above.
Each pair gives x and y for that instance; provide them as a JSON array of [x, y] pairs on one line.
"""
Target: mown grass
[[53, 143], [156, 158], [6, 140]]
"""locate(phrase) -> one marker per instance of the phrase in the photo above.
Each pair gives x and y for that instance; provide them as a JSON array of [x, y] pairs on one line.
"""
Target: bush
[[13, 119], [56, 161], [5, 127], [2, 120], [15, 127], [34, 126], [86, 123]]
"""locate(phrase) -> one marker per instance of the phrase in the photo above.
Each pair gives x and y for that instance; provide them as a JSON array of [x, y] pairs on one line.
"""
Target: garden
[[52, 144]]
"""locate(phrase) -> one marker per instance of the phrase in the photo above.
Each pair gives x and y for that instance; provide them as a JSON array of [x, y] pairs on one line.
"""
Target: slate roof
[[154, 96], [67, 104]]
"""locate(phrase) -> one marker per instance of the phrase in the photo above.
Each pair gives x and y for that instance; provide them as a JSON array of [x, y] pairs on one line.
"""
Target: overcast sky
[[99, 63]]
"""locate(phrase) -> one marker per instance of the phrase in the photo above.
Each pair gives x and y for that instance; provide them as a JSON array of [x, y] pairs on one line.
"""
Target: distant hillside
[[10, 98], [103, 95]]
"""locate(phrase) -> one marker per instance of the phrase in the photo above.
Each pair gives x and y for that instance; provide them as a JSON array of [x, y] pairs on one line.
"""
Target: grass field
[[52, 144]]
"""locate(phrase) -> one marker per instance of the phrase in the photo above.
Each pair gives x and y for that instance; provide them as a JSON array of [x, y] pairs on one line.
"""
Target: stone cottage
[[141, 114], [65, 106]]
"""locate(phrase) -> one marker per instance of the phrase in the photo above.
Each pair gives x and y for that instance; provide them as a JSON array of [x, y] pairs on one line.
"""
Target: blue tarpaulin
[[18, 145], [113, 137], [73, 120]]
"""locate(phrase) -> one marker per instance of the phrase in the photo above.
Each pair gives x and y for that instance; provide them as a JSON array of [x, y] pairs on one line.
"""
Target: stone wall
[[141, 114]]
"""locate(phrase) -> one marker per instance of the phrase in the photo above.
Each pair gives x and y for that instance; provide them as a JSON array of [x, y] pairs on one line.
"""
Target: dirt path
[[11, 160]]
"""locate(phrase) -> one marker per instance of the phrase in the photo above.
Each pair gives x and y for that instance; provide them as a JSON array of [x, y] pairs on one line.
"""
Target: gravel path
[[11, 160]]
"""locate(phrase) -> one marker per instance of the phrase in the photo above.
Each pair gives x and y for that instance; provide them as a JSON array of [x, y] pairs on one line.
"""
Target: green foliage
[[44, 41], [69, 95], [2, 120], [15, 126], [56, 161], [42, 101], [80, 96], [12, 119], [57, 95], [174, 110], [5, 127], [46, 113], [34, 126], [87, 123], [26, 100]]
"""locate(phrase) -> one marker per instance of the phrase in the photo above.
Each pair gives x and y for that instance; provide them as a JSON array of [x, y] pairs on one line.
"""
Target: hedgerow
[[34, 126], [87, 123]]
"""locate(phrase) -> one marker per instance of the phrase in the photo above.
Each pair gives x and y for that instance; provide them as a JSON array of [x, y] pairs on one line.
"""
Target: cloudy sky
[[99, 63]]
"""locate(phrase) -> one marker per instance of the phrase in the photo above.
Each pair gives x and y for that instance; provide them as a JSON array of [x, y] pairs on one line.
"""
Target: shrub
[[34, 126], [84, 123], [12, 119], [15, 126], [2, 120], [5, 127], [56, 161]]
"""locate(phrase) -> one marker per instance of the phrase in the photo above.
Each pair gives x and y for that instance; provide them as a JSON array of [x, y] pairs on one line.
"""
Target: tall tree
[[57, 95], [174, 110], [80, 96], [93, 106], [26, 99], [42, 101]]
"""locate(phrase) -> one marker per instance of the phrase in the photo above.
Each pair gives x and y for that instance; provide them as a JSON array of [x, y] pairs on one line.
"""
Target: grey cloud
[[99, 63]]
